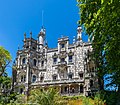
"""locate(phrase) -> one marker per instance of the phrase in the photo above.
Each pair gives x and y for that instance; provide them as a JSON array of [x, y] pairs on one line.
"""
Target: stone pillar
[[84, 90], [79, 88], [27, 76], [69, 89], [19, 61], [60, 89], [58, 47], [37, 43]]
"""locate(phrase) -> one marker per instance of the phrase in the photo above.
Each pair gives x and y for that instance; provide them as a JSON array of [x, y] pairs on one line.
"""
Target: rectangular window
[[62, 45], [41, 78], [62, 60], [70, 58], [81, 75], [54, 76], [54, 60], [42, 63], [22, 78], [70, 76]]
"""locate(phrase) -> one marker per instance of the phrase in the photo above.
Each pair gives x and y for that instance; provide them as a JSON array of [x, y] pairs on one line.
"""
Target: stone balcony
[[62, 63], [58, 82]]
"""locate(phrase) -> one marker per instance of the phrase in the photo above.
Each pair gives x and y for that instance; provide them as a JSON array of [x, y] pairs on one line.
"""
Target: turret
[[24, 36], [41, 37], [79, 33]]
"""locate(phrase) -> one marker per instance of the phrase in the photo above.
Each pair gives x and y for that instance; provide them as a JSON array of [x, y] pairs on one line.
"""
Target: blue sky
[[19, 16]]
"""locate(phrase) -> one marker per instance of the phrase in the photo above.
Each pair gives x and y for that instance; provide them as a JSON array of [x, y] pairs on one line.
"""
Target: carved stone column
[[69, 88], [60, 89], [79, 88]]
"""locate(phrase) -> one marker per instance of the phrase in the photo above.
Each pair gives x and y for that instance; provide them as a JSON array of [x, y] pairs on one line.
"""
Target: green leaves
[[101, 20], [5, 59], [44, 97]]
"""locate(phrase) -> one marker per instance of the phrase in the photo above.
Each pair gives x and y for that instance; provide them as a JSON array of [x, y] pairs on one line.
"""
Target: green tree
[[5, 82], [5, 59], [45, 97], [101, 19]]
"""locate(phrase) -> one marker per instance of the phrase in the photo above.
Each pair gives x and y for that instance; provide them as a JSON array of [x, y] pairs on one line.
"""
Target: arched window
[[70, 75], [23, 78], [81, 88], [42, 63], [21, 90], [91, 83], [34, 78], [34, 62], [65, 88], [70, 58], [23, 60], [54, 76], [62, 45], [41, 78], [54, 60], [80, 75]]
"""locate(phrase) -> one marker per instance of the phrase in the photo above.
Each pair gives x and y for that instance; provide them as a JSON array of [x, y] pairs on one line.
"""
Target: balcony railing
[[63, 81], [62, 63]]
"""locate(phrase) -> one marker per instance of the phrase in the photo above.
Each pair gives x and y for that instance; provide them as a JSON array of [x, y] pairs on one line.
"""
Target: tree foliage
[[5, 82], [5, 59], [101, 19], [45, 97]]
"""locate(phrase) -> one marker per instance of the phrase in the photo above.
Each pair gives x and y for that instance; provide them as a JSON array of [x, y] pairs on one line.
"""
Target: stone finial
[[31, 34], [25, 35]]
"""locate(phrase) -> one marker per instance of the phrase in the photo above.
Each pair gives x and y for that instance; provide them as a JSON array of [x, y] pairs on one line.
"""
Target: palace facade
[[67, 67]]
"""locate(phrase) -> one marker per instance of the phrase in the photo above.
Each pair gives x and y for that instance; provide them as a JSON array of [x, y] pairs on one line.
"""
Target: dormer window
[[23, 60], [70, 58], [34, 62]]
